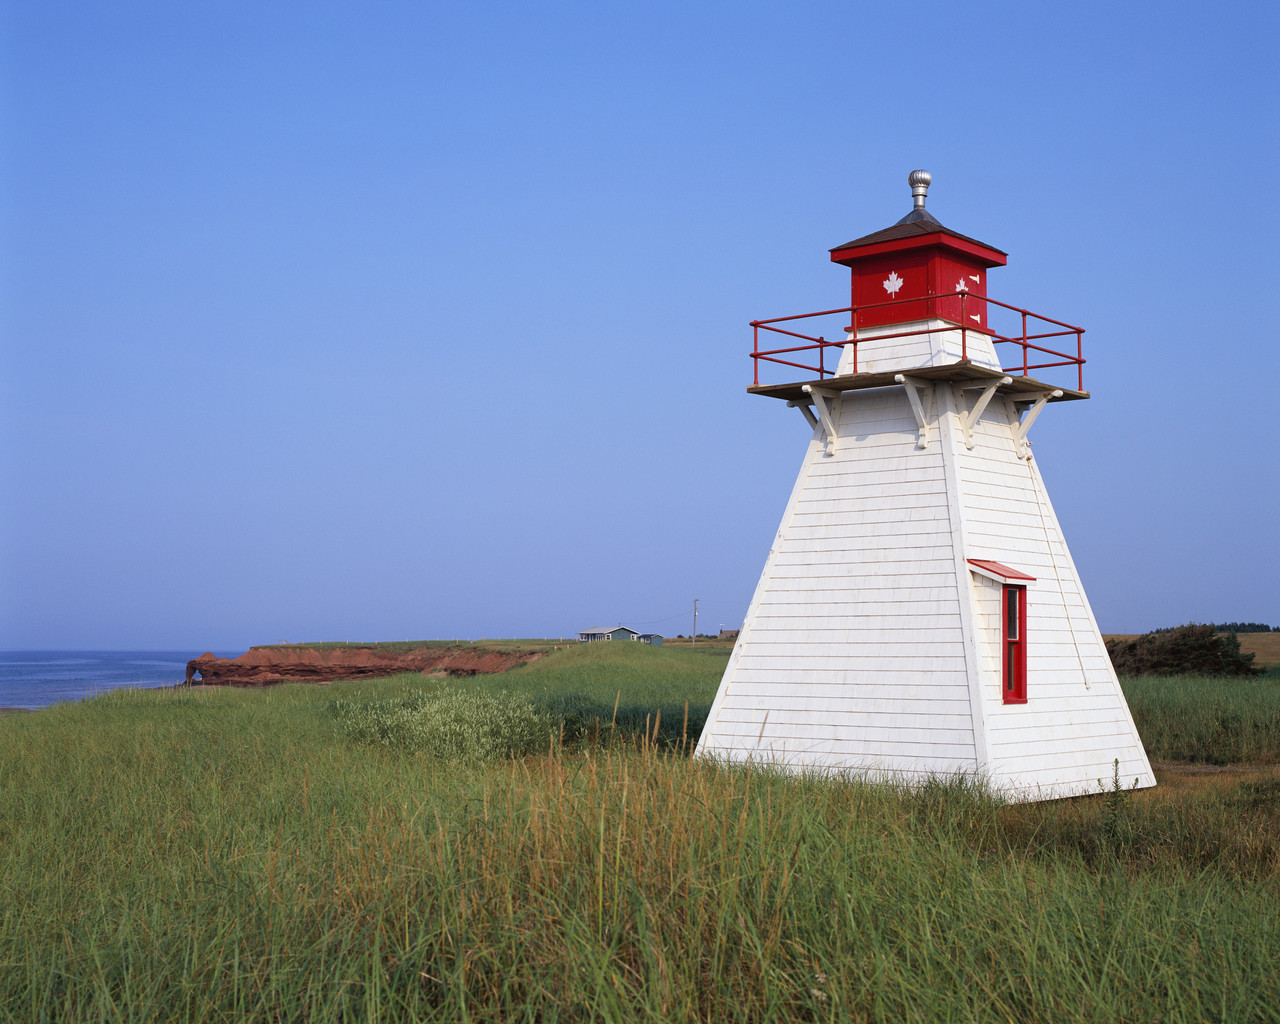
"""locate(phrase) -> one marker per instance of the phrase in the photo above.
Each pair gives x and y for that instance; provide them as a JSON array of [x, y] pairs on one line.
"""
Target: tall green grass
[[244, 855], [1217, 720], [606, 690]]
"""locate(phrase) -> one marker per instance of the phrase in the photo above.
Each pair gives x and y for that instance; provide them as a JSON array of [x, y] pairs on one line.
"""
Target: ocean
[[36, 679]]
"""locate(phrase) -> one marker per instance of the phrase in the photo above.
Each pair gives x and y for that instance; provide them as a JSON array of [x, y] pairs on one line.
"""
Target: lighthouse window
[[1014, 602]]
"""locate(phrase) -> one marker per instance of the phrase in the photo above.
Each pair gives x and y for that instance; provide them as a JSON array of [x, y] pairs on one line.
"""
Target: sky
[[386, 320]]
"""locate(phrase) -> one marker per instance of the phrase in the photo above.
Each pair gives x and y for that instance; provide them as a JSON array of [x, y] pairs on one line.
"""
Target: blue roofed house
[[606, 633]]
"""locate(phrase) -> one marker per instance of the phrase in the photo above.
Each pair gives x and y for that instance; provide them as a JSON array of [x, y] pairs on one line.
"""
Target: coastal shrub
[[1192, 649], [452, 725], [582, 718]]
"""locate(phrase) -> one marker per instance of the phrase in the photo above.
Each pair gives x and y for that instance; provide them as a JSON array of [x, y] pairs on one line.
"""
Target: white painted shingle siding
[[942, 344], [831, 648], [870, 647], [1076, 721]]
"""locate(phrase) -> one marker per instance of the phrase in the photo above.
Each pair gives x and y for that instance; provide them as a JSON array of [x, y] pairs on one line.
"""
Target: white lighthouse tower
[[919, 614]]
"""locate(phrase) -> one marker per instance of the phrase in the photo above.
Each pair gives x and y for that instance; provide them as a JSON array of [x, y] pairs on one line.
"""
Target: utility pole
[[693, 640]]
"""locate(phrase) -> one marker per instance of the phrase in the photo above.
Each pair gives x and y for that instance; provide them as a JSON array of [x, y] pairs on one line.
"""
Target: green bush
[[1184, 650], [455, 726]]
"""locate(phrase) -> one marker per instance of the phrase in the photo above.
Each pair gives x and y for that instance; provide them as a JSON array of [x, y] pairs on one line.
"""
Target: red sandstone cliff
[[261, 666]]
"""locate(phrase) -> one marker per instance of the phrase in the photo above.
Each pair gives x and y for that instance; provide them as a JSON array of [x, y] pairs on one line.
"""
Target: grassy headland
[[233, 855]]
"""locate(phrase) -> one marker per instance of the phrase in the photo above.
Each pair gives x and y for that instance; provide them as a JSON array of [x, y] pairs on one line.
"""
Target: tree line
[[1193, 649], [1229, 627]]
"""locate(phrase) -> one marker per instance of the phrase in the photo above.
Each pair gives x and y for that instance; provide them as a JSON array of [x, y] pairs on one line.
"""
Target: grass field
[[534, 643], [241, 855], [527, 643]]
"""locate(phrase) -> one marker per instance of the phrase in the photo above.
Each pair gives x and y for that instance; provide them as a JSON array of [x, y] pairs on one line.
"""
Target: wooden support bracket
[[968, 420], [1020, 435], [806, 410], [913, 388], [823, 404]]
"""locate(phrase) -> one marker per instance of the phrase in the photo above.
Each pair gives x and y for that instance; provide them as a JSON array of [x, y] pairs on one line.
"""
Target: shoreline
[[7, 710]]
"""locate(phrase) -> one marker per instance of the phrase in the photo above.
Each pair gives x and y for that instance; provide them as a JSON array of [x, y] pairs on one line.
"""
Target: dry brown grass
[[1179, 777], [1265, 647]]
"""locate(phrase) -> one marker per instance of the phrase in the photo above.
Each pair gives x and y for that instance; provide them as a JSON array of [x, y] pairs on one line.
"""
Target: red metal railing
[[1026, 341]]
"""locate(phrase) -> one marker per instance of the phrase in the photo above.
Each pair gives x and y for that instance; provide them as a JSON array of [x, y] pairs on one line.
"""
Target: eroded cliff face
[[262, 666]]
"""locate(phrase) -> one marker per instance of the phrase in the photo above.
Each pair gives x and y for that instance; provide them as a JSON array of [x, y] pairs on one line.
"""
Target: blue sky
[[401, 320]]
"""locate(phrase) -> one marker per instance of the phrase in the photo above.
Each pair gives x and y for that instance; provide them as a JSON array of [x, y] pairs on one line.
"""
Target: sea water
[[36, 679]]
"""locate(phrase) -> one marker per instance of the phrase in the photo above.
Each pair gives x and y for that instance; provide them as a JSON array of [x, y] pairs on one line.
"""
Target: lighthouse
[[919, 614]]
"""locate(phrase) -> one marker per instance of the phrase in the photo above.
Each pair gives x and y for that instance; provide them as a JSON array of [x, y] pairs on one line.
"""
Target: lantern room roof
[[917, 229], [913, 226]]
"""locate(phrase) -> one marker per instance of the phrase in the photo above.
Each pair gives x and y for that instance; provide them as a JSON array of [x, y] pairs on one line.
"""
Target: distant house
[[606, 633], [729, 634], [653, 639]]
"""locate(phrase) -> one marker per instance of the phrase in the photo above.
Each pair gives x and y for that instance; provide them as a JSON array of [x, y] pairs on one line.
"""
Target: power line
[[651, 622]]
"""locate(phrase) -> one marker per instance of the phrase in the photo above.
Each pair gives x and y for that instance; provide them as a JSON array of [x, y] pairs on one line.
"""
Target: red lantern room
[[918, 259], [919, 303]]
